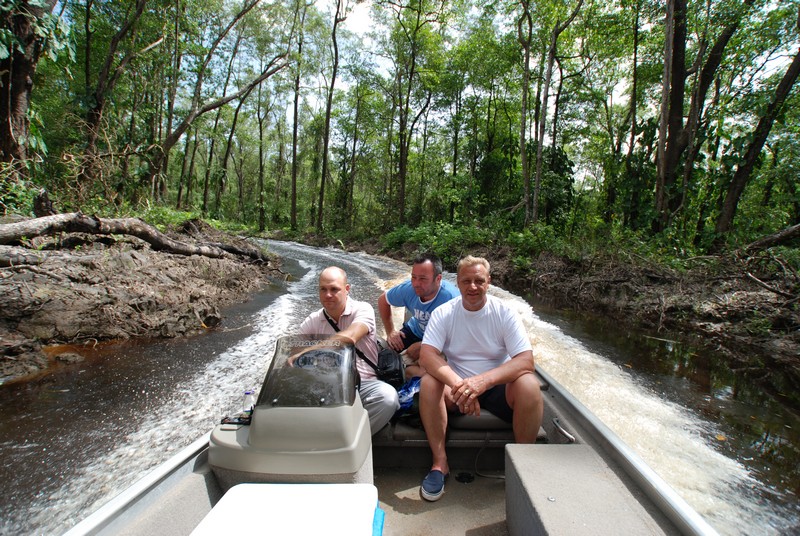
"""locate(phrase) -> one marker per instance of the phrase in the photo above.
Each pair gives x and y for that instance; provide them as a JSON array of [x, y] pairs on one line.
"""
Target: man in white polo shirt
[[356, 321]]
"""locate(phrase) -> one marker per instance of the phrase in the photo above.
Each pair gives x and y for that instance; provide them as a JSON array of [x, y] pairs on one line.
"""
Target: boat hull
[[489, 489]]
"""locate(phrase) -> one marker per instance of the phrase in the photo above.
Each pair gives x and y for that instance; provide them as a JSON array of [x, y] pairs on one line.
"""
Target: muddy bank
[[84, 288]]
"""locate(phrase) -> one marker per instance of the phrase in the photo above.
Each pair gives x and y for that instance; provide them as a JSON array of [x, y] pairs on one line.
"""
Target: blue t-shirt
[[403, 295]]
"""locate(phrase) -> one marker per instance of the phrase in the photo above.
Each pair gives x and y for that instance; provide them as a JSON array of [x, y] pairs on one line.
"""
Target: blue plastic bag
[[406, 394]]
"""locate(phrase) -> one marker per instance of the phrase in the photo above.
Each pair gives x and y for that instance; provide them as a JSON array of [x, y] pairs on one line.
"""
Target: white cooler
[[297, 510]]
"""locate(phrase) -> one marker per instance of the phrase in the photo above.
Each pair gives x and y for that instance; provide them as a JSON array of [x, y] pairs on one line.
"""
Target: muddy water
[[72, 440]]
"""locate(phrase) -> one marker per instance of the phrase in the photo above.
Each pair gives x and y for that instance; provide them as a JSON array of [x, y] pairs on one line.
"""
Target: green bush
[[16, 197], [448, 241], [162, 216]]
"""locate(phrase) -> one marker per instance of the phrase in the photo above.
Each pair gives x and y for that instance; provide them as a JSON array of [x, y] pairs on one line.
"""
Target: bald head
[[333, 272], [333, 290]]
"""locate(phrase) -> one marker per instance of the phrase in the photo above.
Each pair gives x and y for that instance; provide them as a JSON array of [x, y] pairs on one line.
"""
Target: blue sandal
[[432, 487]]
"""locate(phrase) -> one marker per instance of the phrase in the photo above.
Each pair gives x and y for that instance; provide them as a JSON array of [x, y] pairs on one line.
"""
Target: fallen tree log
[[781, 237], [14, 256], [76, 222]]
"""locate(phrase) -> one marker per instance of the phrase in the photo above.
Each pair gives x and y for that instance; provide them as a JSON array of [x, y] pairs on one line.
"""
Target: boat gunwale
[[686, 519], [128, 501]]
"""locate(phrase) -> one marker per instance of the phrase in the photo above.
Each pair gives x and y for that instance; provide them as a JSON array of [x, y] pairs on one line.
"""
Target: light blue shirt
[[403, 295]]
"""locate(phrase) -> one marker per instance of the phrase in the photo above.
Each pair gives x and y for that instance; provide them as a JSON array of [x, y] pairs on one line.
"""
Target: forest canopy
[[671, 120]]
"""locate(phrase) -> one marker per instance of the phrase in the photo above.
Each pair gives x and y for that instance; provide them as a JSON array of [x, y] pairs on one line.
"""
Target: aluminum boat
[[306, 462]]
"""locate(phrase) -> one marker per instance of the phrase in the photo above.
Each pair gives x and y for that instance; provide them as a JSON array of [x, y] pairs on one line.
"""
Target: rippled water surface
[[73, 439]]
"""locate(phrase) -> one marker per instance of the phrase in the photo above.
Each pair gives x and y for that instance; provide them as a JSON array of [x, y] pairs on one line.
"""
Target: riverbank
[[67, 291]]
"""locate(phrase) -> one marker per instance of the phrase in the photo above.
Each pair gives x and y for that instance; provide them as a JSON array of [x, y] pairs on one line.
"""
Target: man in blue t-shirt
[[420, 295]]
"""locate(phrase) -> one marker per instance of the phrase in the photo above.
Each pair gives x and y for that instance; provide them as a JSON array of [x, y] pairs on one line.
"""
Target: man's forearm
[[509, 371], [434, 364]]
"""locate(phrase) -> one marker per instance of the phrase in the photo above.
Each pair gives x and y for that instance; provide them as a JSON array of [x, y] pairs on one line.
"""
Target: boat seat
[[569, 489], [487, 421], [403, 443]]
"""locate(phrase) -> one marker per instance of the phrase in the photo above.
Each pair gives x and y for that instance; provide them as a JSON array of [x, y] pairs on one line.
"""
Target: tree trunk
[[296, 118], [77, 222], [211, 149], [222, 179], [551, 58], [280, 171], [781, 237], [338, 17], [631, 214], [261, 115], [524, 39], [672, 131], [16, 79], [456, 140], [228, 150], [107, 80], [190, 179], [692, 140], [406, 77], [745, 170], [197, 109], [174, 78], [350, 208], [666, 84]]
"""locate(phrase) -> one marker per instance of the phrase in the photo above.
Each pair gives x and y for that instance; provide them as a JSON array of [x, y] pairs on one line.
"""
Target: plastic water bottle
[[248, 403]]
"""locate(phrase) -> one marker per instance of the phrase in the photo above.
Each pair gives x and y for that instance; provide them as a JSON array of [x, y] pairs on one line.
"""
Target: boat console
[[308, 424]]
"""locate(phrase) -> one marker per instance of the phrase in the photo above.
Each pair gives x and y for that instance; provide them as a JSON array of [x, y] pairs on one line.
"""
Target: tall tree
[[745, 169], [674, 136], [300, 18], [630, 216], [413, 34], [33, 31], [113, 67], [525, 38], [558, 29], [210, 159], [342, 7], [262, 113], [197, 107]]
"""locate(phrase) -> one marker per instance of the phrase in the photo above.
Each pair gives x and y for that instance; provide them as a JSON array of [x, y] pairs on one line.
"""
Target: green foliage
[[450, 242], [54, 31], [232, 227], [16, 197], [460, 108], [531, 242], [789, 256], [758, 325], [162, 217]]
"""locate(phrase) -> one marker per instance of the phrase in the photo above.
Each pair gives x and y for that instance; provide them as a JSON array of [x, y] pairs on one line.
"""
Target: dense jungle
[[636, 158]]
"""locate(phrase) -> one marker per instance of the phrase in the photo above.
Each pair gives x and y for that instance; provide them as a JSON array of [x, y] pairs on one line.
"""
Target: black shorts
[[409, 337], [495, 401]]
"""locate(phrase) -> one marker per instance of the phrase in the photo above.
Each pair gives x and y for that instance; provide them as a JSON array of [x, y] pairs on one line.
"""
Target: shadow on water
[[752, 425]]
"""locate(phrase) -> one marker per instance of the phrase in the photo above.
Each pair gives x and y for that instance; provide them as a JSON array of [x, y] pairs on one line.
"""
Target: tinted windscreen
[[309, 371]]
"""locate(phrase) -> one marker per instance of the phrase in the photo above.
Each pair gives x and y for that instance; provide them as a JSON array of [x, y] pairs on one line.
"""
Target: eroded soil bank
[[85, 288]]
